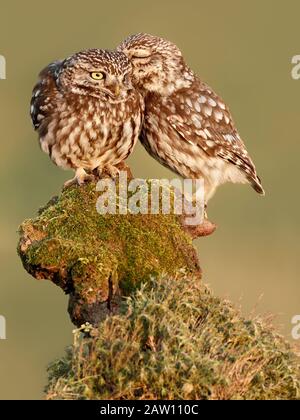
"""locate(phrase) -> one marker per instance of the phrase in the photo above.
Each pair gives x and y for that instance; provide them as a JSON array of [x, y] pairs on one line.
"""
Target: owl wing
[[43, 93], [210, 126]]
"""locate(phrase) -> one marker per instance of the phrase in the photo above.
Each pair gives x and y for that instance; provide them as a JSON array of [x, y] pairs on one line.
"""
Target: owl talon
[[108, 171], [80, 178], [205, 212]]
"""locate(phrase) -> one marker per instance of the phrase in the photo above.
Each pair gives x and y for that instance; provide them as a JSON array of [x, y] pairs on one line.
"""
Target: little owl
[[87, 113], [187, 127]]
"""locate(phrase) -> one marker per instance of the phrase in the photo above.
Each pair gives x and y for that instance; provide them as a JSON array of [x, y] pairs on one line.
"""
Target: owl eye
[[141, 54], [97, 75]]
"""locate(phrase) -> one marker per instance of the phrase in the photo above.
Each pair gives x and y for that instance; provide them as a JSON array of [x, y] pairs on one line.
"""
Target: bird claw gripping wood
[[81, 177]]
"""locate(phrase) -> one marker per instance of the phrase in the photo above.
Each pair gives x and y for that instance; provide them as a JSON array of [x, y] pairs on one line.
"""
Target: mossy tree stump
[[170, 338], [97, 259]]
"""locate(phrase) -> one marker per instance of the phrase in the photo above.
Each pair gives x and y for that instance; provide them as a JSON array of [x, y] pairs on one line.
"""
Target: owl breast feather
[[83, 132]]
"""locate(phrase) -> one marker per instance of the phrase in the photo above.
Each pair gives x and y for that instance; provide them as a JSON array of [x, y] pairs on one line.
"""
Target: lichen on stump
[[97, 259]]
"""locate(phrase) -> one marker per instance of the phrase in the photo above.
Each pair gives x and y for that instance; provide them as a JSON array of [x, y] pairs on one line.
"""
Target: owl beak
[[115, 89]]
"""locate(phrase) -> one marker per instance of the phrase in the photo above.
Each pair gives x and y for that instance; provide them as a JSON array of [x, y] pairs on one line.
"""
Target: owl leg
[[209, 191], [205, 212], [207, 227], [108, 170], [204, 228], [80, 178]]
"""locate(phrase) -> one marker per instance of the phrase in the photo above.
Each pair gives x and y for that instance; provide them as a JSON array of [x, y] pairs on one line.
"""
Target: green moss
[[174, 340], [72, 244]]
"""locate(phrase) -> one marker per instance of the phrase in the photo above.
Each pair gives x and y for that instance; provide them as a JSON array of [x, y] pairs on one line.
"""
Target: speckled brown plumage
[[86, 111], [187, 127]]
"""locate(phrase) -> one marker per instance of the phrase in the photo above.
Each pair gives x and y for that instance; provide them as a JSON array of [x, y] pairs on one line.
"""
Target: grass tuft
[[174, 340]]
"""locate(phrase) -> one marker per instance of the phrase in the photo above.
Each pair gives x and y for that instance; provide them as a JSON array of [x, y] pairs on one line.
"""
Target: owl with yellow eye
[[87, 113]]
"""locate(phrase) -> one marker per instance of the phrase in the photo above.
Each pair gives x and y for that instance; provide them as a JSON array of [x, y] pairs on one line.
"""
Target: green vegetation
[[81, 250], [162, 335], [172, 339]]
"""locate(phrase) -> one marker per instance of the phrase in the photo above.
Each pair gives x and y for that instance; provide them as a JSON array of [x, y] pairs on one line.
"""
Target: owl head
[[158, 64], [99, 73]]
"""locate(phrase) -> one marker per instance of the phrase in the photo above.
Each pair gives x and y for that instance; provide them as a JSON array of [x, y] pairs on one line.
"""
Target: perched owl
[[87, 113], [187, 127]]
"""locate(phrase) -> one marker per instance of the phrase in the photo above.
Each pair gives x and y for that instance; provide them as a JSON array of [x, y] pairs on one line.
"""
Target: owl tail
[[257, 185]]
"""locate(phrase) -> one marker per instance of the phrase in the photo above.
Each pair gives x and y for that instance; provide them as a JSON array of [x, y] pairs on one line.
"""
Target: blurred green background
[[244, 50]]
